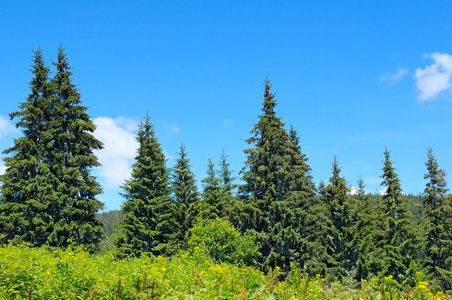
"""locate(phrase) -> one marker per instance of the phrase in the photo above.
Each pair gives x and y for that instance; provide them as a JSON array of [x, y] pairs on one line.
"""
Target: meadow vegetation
[[74, 273]]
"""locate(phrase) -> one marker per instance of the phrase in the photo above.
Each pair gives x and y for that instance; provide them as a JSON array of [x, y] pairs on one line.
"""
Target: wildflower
[[196, 248], [278, 269], [388, 278]]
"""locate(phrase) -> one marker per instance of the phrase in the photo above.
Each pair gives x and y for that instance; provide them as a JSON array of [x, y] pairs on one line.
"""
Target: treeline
[[276, 218]]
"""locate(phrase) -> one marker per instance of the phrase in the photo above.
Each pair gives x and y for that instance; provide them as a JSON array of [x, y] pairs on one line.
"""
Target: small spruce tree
[[401, 240], [186, 196], [213, 203], [438, 207], [148, 209]]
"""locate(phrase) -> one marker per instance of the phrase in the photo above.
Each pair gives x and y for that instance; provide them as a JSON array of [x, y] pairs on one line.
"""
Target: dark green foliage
[[265, 208], [186, 196], [148, 208], [438, 208], [224, 242], [226, 178], [368, 230], [71, 159], [330, 228], [213, 203], [26, 213], [48, 191], [401, 241]]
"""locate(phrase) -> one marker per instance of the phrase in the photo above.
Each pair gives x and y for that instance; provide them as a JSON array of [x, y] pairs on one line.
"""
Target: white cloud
[[382, 192], [391, 78], [435, 78], [167, 156], [2, 168], [7, 127], [354, 190], [119, 148]]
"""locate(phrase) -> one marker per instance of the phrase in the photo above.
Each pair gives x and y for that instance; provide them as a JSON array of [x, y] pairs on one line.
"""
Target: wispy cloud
[[171, 127], [391, 78], [434, 78], [226, 123], [119, 148], [7, 127], [2, 168], [372, 180]]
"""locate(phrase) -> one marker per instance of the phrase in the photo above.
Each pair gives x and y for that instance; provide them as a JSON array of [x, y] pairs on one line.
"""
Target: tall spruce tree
[[438, 207], [26, 214], [149, 223], [264, 209], [186, 196], [70, 144], [401, 241]]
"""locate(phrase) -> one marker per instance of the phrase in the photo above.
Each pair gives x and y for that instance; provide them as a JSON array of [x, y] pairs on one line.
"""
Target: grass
[[41, 273]]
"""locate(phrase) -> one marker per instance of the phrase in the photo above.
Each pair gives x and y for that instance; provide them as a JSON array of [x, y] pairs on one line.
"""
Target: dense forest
[[277, 218]]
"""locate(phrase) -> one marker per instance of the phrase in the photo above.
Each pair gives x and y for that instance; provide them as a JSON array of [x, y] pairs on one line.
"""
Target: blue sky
[[352, 77]]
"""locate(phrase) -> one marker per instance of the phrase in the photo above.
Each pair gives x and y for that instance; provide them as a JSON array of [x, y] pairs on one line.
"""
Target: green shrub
[[224, 242]]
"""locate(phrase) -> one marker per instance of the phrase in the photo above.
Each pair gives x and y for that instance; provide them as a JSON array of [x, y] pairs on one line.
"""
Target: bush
[[224, 242]]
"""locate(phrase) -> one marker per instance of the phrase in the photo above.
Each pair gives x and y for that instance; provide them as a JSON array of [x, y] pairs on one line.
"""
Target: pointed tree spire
[[71, 159], [186, 196], [401, 241], [438, 208], [213, 203], [26, 191], [148, 208]]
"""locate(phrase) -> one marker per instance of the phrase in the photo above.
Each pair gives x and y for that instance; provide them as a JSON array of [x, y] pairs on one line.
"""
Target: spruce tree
[[264, 209], [213, 203], [300, 199], [26, 214], [69, 145], [48, 191], [149, 222], [401, 241], [368, 231], [186, 196], [226, 178], [438, 207], [331, 234]]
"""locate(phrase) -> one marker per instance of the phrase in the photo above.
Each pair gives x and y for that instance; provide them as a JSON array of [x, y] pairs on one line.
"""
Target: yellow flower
[[196, 248], [318, 276], [388, 278], [161, 257], [278, 269], [163, 269]]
